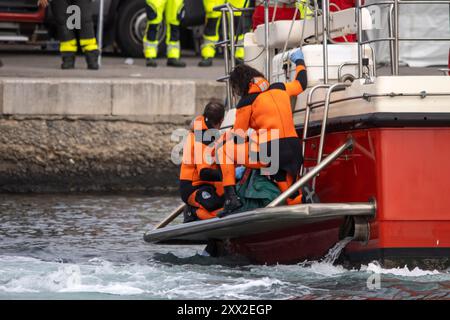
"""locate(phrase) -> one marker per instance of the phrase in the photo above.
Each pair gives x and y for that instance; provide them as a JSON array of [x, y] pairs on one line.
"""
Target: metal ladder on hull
[[361, 224], [321, 162], [309, 106]]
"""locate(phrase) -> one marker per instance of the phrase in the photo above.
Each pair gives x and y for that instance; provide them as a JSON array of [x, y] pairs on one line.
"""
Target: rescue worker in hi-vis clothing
[[200, 178], [242, 24], [171, 9], [263, 107], [65, 17]]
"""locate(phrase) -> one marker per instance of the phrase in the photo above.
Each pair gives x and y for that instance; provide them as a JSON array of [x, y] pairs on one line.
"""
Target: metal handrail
[[391, 35], [394, 30], [333, 88], [309, 106], [367, 96], [222, 6], [374, 66], [228, 42], [224, 9], [325, 32], [339, 72], [100, 30], [424, 39], [307, 115]]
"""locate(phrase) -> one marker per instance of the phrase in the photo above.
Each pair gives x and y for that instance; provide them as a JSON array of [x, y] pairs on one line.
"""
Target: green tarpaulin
[[256, 191]]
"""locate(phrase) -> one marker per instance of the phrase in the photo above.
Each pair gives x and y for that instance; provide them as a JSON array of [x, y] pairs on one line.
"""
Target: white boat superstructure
[[352, 65]]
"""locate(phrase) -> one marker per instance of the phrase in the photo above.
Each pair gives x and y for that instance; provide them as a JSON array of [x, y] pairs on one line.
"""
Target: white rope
[[290, 30], [303, 27], [292, 24], [275, 10]]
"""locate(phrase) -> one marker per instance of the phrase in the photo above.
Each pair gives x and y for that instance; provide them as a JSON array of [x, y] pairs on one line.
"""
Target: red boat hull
[[406, 170], [306, 242]]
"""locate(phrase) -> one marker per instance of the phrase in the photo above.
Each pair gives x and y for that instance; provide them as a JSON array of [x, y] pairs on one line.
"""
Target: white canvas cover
[[416, 21]]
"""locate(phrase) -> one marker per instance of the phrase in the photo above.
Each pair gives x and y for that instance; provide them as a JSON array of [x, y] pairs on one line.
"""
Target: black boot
[[206, 62], [177, 63], [68, 61], [151, 63], [189, 214], [92, 60], [232, 202]]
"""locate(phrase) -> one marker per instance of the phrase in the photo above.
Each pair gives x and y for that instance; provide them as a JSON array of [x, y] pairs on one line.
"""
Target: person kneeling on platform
[[266, 109], [200, 179]]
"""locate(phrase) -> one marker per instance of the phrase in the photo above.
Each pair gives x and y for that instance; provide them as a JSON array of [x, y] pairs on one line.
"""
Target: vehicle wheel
[[131, 25]]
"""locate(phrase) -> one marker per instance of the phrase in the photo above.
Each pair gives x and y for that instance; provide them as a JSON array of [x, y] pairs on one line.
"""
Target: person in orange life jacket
[[200, 179], [263, 106]]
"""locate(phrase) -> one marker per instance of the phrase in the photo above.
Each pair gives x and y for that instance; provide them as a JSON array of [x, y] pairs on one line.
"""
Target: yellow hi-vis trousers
[[66, 35], [211, 33], [304, 10], [172, 11]]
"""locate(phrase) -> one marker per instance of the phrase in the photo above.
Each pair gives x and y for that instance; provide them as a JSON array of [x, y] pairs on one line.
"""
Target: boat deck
[[255, 222]]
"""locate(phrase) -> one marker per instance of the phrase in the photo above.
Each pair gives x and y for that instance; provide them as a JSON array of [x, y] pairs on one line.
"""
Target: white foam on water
[[17, 259], [41, 276], [243, 284], [403, 272], [167, 281], [17, 289], [235, 288], [117, 289], [326, 269]]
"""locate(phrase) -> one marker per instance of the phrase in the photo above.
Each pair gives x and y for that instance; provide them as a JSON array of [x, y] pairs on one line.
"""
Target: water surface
[[91, 247]]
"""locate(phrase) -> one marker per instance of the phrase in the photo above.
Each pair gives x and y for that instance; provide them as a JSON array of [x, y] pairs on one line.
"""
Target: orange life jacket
[[269, 107], [198, 156]]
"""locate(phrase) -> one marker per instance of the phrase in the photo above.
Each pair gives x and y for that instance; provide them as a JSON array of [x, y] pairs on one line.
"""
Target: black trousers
[[66, 21]]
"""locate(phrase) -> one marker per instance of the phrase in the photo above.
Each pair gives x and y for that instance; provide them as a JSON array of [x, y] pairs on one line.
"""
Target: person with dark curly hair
[[265, 108]]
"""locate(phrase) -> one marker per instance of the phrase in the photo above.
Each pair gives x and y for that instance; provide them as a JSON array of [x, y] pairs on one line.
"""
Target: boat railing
[[323, 13], [351, 77], [307, 116], [309, 105], [333, 88], [229, 44], [394, 38]]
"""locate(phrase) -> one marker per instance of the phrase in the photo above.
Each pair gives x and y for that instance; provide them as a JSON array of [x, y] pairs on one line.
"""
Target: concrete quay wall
[[79, 135]]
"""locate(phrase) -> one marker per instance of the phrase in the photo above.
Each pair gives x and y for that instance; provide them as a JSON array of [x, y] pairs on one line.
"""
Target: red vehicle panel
[[35, 17]]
